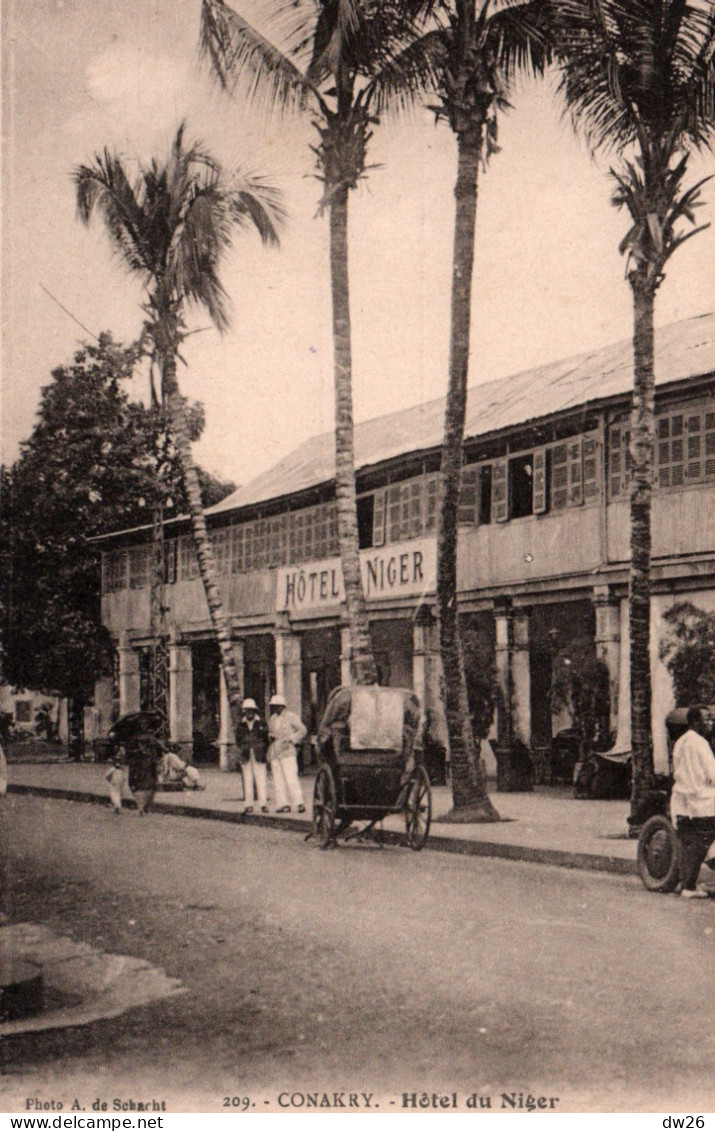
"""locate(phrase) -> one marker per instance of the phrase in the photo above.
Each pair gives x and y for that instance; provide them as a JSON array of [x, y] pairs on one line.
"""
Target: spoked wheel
[[658, 855], [418, 810], [325, 804]]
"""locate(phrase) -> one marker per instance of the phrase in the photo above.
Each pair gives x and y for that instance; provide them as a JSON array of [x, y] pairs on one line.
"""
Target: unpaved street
[[357, 970]]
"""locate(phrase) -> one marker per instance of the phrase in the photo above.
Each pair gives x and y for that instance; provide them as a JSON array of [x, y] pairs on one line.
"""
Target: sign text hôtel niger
[[406, 569]]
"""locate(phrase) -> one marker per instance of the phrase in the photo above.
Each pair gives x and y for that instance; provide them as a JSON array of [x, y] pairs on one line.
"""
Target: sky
[[79, 75]]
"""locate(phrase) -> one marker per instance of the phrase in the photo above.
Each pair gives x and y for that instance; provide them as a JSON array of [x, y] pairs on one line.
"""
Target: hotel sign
[[405, 569]]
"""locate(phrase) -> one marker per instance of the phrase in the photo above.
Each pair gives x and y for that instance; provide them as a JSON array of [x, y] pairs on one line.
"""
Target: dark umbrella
[[134, 725]]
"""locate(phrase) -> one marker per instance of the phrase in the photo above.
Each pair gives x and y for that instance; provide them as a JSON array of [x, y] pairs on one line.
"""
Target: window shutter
[[468, 487], [677, 450], [694, 448], [170, 561], [590, 468], [500, 499], [559, 477], [378, 519], [432, 500], [710, 445], [540, 481], [575, 473]]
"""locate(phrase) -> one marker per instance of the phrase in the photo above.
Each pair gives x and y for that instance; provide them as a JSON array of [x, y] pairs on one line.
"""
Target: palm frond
[[245, 62], [415, 71], [105, 188], [638, 69], [176, 223], [520, 37]]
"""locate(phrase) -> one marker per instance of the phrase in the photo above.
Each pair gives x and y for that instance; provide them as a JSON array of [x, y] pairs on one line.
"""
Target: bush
[[689, 653]]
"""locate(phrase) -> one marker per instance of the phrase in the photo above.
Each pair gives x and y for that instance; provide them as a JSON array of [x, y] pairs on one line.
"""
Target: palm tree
[[170, 228], [471, 54], [639, 79], [338, 52]]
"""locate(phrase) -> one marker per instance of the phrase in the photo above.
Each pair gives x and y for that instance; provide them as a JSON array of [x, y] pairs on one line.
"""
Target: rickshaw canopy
[[375, 718]]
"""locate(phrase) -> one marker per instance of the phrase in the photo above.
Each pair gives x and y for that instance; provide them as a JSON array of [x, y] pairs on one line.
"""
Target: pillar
[[502, 659], [227, 756], [608, 642], [129, 699], [346, 672], [180, 696], [288, 669], [426, 664], [104, 702], [521, 676]]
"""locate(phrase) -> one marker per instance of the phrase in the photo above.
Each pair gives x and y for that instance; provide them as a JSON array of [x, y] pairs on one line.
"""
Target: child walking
[[116, 777]]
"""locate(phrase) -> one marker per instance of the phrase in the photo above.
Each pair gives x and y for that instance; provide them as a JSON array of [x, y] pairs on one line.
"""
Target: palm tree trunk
[[363, 663], [469, 787], [641, 490], [202, 542]]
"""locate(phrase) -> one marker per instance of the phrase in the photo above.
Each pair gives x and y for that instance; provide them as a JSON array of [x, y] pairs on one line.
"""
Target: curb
[[581, 861]]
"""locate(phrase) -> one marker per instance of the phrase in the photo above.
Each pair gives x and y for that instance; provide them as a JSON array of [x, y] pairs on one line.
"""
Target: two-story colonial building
[[543, 549]]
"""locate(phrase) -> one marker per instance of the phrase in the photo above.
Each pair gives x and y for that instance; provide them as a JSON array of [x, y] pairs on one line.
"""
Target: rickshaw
[[658, 845], [371, 766]]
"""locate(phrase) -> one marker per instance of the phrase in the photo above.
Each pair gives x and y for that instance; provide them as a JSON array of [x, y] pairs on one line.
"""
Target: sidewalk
[[548, 826]]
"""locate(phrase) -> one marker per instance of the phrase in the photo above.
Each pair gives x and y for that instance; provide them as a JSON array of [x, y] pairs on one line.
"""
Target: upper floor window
[[139, 567], [402, 510], [114, 571], [684, 449], [546, 479]]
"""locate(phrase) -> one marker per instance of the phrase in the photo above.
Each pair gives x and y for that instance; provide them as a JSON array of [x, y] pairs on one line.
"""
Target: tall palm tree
[[337, 52], [170, 227], [639, 79], [470, 54]]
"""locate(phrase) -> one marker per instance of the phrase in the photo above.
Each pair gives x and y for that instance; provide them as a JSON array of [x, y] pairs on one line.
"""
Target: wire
[[69, 313]]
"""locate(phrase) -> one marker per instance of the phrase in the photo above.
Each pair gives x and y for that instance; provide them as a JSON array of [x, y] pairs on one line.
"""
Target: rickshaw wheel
[[418, 810], [324, 806], [659, 855]]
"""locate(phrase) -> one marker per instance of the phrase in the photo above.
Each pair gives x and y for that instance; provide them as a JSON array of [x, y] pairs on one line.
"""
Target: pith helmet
[[277, 701], [249, 705]]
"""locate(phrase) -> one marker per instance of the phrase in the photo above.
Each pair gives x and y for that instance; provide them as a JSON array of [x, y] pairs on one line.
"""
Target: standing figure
[[692, 802], [252, 753], [144, 754], [285, 730], [116, 777]]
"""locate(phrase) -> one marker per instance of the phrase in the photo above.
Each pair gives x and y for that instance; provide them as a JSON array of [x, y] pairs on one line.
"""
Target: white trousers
[[254, 773], [285, 781]]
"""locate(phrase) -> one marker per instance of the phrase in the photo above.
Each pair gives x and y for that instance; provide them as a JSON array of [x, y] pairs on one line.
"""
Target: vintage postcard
[[357, 653]]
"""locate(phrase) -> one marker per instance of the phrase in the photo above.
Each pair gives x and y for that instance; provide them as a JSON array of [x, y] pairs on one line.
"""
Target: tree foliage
[[89, 467], [689, 653]]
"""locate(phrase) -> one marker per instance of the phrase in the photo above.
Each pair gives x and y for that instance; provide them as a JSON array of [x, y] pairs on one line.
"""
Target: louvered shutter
[[590, 468], [677, 450], [378, 519], [539, 481], [695, 448], [710, 445], [559, 477], [575, 473], [468, 496], [500, 499]]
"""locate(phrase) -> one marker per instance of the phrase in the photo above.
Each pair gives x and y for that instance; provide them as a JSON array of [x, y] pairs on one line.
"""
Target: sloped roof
[[683, 349]]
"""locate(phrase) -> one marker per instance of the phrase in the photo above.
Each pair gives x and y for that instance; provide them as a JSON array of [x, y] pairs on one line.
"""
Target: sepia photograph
[[357, 559]]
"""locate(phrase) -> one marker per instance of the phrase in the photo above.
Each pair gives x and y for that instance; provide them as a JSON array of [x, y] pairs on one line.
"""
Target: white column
[[346, 672], [623, 732], [502, 659], [608, 643], [288, 670], [521, 676], [129, 696], [181, 696]]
